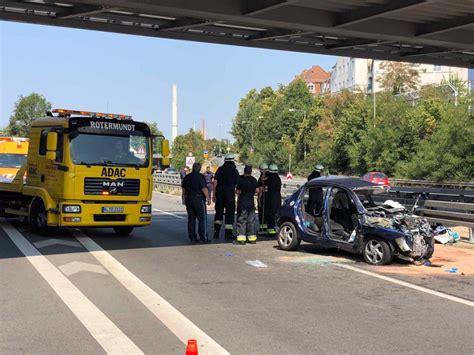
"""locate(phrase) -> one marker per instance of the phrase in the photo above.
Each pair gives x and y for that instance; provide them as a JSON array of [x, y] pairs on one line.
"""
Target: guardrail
[[448, 206]]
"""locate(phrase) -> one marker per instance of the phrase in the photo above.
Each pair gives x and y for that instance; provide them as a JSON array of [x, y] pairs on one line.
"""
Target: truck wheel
[[377, 252], [124, 231], [39, 218], [288, 237]]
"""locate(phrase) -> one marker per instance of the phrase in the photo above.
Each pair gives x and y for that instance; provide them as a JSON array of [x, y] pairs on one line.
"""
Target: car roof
[[339, 180]]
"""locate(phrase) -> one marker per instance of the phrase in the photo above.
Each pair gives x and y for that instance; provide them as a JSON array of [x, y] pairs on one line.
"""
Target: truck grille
[[119, 187]]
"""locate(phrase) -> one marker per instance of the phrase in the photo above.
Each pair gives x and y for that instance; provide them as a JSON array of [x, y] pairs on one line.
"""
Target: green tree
[[27, 109], [398, 77], [193, 142]]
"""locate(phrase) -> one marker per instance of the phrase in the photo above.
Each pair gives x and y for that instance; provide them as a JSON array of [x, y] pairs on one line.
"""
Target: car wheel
[[288, 237], [123, 231], [377, 252], [39, 218]]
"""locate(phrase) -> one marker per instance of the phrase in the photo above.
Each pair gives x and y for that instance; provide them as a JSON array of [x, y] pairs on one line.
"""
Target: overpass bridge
[[426, 31]]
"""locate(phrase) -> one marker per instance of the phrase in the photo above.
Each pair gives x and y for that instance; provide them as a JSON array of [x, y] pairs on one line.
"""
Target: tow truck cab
[[88, 169], [13, 152]]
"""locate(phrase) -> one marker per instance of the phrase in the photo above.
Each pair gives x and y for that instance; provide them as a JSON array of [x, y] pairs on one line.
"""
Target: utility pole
[[373, 89]]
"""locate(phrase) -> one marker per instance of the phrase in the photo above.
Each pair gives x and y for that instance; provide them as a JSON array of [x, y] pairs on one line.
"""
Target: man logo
[[112, 186]]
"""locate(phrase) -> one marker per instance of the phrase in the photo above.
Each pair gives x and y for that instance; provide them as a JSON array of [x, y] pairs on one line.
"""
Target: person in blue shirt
[[195, 196]]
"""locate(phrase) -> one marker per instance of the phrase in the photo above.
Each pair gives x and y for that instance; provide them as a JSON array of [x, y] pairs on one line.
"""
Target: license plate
[[112, 209]]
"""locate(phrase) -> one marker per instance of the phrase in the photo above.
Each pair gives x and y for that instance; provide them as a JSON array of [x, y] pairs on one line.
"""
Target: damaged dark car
[[340, 212]]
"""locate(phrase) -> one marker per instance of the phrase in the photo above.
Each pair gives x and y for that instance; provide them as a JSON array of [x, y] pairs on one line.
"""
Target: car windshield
[[365, 195], [12, 160], [98, 149]]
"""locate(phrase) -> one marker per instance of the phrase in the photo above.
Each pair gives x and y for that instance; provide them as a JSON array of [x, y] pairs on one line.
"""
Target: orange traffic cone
[[192, 348]]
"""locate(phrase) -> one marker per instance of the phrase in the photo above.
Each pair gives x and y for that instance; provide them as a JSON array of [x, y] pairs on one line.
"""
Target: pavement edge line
[[102, 329], [407, 284], [174, 320]]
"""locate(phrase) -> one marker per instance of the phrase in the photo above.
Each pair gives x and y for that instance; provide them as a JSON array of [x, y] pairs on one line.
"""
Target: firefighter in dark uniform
[[225, 181], [273, 198], [261, 199], [246, 188], [315, 198], [195, 196]]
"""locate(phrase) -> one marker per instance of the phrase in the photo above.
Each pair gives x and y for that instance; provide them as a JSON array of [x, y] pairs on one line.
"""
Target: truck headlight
[[71, 209], [145, 209]]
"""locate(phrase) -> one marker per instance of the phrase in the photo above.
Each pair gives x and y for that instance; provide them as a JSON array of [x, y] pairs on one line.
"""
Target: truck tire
[[39, 218], [123, 231]]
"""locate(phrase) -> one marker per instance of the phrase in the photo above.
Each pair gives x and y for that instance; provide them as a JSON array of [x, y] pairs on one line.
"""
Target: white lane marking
[[174, 320], [49, 242], [77, 266], [104, 331], [407, 284], [169, 213]]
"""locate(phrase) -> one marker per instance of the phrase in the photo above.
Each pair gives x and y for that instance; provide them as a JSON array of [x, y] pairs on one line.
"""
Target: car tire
[[38, 218], [123, 231], [287, 237], [377, 252]]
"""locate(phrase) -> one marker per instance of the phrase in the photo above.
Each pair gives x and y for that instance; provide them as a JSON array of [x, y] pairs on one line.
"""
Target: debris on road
[[228, 254], [453, 270], [445, 235], [256, 263]]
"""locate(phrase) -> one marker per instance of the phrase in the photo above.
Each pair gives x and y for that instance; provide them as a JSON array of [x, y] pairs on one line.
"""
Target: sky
[[115, 73]]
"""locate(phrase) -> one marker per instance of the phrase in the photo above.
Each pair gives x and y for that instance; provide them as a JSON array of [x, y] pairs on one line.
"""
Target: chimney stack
[[174, 131]]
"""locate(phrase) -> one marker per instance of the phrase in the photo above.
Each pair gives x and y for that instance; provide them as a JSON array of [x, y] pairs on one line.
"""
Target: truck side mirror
[[165, 148], [51, 144]]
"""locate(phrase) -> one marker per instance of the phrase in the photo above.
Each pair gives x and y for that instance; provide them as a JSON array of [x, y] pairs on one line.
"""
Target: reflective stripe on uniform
[[252, 238], [217, 222], [271, 231], [241, 238], [229, 226], [263, 226]]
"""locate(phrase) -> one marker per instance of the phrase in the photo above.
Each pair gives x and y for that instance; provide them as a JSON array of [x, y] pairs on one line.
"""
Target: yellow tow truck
[[84, 169], [13, 152]]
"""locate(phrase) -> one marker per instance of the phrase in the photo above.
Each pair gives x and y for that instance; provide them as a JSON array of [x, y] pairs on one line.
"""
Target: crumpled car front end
[[409, 235]]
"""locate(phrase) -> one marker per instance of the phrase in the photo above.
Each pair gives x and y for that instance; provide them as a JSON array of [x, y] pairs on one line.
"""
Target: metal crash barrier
[[447, 203]]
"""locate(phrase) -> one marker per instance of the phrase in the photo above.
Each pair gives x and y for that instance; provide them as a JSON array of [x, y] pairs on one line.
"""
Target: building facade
[[355, 74], [317, 79]]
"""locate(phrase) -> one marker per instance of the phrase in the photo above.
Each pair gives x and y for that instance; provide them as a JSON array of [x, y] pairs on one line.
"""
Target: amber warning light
[[63, 113]]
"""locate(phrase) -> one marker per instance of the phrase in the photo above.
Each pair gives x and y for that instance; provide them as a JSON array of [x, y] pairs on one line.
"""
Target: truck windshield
[[97, 149], [12, 160]]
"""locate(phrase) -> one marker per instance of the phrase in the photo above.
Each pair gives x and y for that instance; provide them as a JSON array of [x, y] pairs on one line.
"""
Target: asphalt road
[[152, 291]]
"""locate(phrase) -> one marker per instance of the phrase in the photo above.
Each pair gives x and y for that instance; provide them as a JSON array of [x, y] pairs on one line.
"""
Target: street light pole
[[304, 120]]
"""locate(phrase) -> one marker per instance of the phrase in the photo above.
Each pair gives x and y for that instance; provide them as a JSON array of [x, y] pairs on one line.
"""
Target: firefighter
[[225, 181], [246, 188], [273, 198], [315, 198], [261, 194]]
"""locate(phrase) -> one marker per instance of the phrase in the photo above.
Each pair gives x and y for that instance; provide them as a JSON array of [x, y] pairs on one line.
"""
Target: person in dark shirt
[[315, 198], [246, 188], [261, 197], [225, 181], [195, 197], [273, 200], [209, 176]]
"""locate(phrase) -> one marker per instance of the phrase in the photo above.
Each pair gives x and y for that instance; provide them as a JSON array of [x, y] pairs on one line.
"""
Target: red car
[[377, 178]]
